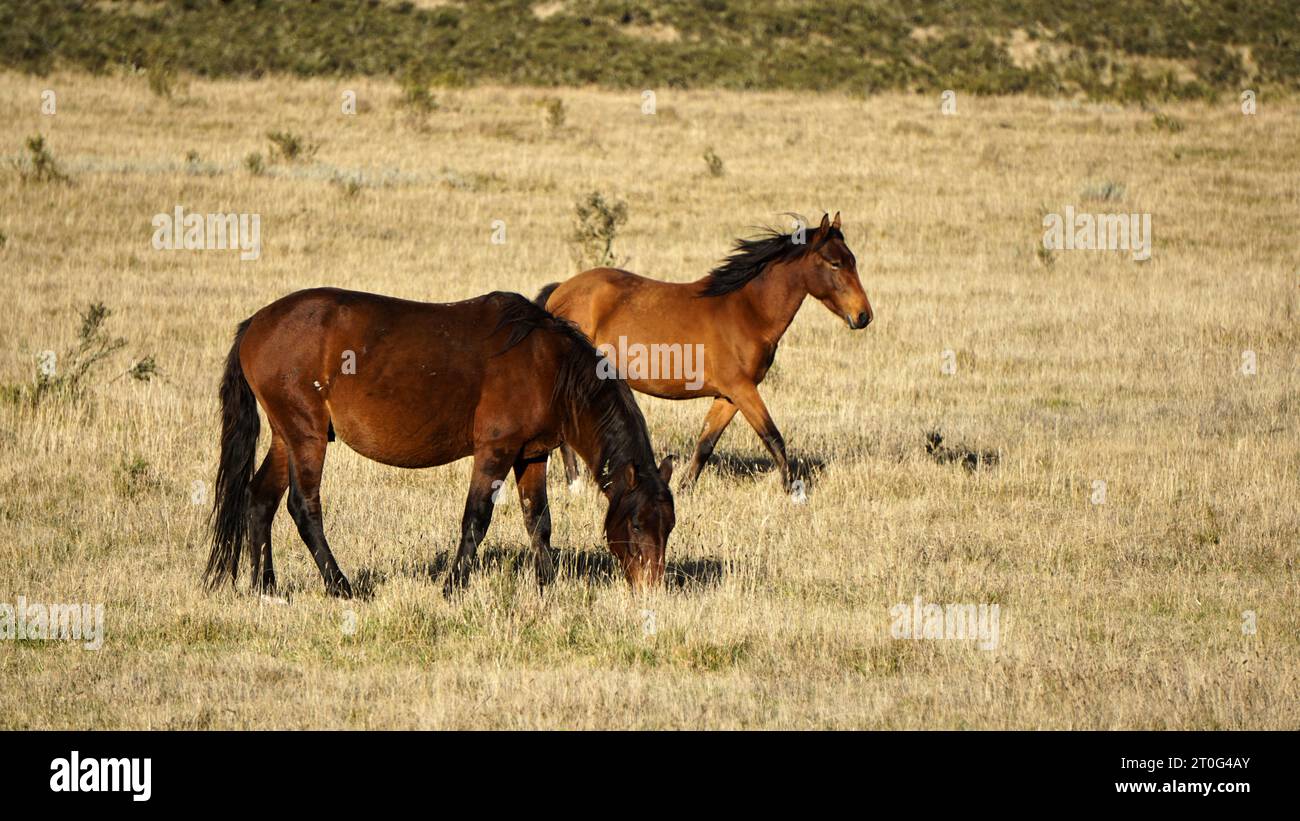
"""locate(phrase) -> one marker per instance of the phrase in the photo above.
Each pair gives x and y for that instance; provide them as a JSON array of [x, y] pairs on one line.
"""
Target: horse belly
[[411, 431], [669, 363], [673, 388]]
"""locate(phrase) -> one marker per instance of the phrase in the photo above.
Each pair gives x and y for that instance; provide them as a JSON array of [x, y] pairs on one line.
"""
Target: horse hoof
[[341, 589]]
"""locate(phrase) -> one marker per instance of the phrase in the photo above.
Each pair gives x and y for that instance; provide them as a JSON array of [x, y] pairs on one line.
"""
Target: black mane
[[750, 257], [620, 427]]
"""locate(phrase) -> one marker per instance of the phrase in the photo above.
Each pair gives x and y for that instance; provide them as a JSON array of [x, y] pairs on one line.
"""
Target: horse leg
[[756, 414], [530, 479], [570, 465], [306, 462], [720, 415], [267, 489], [490, 469]]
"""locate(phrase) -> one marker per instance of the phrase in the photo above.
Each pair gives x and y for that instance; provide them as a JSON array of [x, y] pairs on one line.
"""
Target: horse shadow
[[969, 458], [731, 465], [594, 567]]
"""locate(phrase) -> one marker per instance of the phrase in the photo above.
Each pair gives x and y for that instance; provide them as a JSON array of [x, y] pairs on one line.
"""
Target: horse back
[[404, 383]]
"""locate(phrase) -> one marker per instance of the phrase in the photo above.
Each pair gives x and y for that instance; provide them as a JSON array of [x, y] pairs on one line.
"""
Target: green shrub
[[39, 165], [162, 79], [855, 46], [291, 147], [714, 163], [416, 95], [348, 185], [67, 376], [596, 225], [1168, 122], [555, 113]]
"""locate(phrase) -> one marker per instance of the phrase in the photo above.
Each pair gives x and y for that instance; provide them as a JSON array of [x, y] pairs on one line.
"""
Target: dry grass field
[[1121, 606]]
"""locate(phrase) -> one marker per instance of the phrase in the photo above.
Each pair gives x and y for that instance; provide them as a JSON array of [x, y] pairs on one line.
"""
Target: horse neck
[[591, 441], [774, 297]]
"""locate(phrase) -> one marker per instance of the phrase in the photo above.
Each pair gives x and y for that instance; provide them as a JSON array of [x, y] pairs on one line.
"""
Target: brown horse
[[414, 384], [731, 320]]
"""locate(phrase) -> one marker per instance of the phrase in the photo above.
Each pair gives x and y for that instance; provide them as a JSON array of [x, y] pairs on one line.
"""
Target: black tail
[[545, 294], [239, 430]]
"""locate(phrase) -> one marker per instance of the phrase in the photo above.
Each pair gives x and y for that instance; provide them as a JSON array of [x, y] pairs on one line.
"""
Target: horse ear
[[666, 469], [629, 476], [820, 233], [835, 223]]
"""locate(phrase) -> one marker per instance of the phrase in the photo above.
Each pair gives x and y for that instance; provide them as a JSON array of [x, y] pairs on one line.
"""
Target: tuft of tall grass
[[596, 223], [39, 166], [69, 375]]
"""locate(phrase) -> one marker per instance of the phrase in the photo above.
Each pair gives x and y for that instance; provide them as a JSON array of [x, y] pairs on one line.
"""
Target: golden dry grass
[[1125, 614]]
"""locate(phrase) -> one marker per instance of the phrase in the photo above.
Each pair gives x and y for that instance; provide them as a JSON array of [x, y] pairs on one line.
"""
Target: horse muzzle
[[862, 320]]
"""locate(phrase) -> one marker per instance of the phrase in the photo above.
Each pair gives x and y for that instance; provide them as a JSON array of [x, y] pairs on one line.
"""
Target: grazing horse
[[734, 317], [414, 385]]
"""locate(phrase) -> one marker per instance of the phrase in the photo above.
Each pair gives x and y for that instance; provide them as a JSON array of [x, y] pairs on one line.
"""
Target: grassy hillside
[[1122, 604], [1133, 51]]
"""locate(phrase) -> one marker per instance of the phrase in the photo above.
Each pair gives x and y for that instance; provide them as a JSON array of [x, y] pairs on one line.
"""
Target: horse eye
[[835, 265]]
